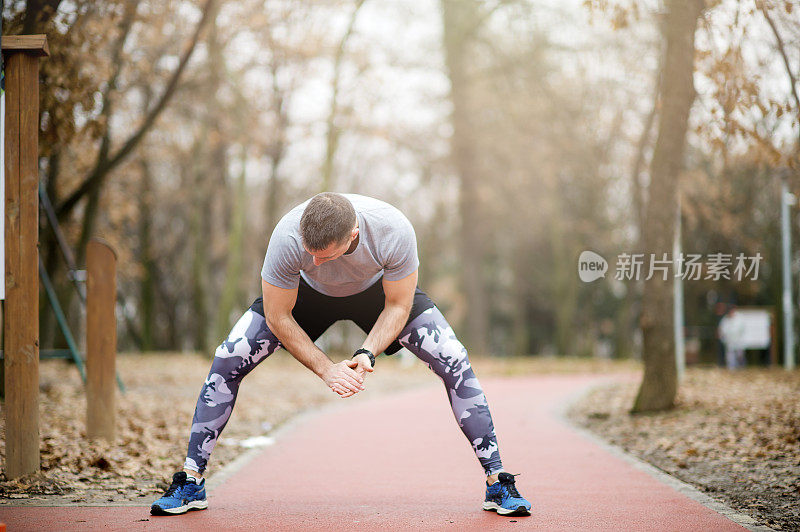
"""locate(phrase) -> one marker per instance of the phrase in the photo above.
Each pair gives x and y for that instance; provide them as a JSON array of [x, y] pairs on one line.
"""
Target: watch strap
[[368, 353]]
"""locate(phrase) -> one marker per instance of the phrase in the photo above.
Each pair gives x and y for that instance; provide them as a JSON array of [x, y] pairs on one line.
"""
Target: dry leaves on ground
[[734, 435]]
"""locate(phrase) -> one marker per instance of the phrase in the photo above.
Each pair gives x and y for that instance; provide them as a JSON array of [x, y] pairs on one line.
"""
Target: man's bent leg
[[249, 342], [433, 341]]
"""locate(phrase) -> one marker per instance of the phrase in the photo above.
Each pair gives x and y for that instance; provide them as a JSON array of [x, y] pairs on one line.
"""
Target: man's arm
[[399, 299], [278, 305]]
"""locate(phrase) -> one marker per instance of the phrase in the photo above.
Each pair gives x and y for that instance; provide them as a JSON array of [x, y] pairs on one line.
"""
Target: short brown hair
[[327, 219]]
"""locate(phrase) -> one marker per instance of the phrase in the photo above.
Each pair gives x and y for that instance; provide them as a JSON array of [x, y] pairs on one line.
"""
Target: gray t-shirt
[[387, 246]]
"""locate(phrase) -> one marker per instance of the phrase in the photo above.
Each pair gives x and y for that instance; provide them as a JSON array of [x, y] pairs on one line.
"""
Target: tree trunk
[[565, 282], [520, 328], [199, 213], [273, 194], [106, 162], [628, 315], [332, 135], [277, 149], [659, 384], [459, 18], [231, 292], [48, 248], [147, 290], [232, 202], [638, 191], [38, 14]]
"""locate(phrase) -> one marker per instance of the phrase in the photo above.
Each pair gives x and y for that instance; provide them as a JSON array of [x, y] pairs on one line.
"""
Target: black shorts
[[315, 312]]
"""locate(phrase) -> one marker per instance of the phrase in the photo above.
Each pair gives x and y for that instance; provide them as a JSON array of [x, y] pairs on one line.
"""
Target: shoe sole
[[194, 505], [494, 507]]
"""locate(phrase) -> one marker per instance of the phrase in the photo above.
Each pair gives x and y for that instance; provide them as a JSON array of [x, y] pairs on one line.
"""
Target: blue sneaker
[[183, 495], [502, 497]]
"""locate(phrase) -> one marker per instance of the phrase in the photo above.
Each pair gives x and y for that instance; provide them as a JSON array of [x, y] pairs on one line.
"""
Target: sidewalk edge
[[678, 485]]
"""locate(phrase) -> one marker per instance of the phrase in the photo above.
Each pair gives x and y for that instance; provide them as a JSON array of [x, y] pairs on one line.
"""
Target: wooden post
[[21, 323], [101, 340]]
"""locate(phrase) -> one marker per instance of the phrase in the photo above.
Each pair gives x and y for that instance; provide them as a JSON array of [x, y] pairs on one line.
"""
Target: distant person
[[731, 332], [720, 309], [341, 257]]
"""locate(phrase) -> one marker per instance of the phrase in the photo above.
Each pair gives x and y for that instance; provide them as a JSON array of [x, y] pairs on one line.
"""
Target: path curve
[[400, 462]]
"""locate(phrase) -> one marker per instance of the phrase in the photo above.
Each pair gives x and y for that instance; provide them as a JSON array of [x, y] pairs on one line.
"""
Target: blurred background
[[513, 133]]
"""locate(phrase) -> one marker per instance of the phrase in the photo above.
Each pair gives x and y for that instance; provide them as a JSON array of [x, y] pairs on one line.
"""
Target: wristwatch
[[368, 353]]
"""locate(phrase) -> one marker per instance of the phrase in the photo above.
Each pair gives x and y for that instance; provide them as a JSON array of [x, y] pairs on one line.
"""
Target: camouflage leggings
[[428, 336]]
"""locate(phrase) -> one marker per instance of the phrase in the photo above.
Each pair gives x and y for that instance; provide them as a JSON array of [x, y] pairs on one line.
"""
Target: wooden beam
[[32, 44], [101, 340], [21, 353]]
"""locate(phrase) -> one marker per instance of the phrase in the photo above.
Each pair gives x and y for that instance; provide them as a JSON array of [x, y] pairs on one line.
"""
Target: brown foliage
[[735, 435]]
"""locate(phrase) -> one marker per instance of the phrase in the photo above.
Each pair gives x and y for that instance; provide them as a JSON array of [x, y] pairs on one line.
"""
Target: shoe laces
[[175, 486], [510, 485]]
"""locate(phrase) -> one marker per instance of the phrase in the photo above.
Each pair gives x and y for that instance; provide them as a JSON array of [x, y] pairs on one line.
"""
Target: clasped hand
[[347, 377]]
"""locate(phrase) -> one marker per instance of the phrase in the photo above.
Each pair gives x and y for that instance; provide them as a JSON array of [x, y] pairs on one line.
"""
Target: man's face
[[332, 252]]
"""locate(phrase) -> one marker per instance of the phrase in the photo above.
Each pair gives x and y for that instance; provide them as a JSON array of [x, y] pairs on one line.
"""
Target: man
[[731, 331], [340, 257]]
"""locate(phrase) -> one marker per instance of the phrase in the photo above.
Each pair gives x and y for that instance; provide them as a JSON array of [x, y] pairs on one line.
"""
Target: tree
[[461, 18], [89, 42], [107, 160], [332, 135], [660, 382]]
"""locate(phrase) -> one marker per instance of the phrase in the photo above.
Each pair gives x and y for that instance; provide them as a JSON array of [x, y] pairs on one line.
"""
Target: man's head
[[328, 226]]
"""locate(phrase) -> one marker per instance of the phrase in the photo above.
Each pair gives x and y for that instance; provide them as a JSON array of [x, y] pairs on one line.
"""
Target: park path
[[399, 462]]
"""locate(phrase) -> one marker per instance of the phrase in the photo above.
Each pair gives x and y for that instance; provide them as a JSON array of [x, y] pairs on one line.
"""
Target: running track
[[400, 462]]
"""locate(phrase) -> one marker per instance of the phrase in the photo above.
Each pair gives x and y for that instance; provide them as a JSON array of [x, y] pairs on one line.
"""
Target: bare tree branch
[[469, 33], [105, 165], [782, 50], [126, 25], [639, 193], [37, 14], [332, 136]]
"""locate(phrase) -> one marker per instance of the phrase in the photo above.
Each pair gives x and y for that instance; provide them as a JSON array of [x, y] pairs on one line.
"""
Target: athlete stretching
[[340, 257]]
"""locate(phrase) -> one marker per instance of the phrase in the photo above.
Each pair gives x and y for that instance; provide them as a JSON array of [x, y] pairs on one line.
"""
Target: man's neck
[[353, 245]]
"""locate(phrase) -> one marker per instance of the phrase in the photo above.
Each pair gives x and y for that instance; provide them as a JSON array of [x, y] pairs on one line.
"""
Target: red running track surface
[[400, 462]]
